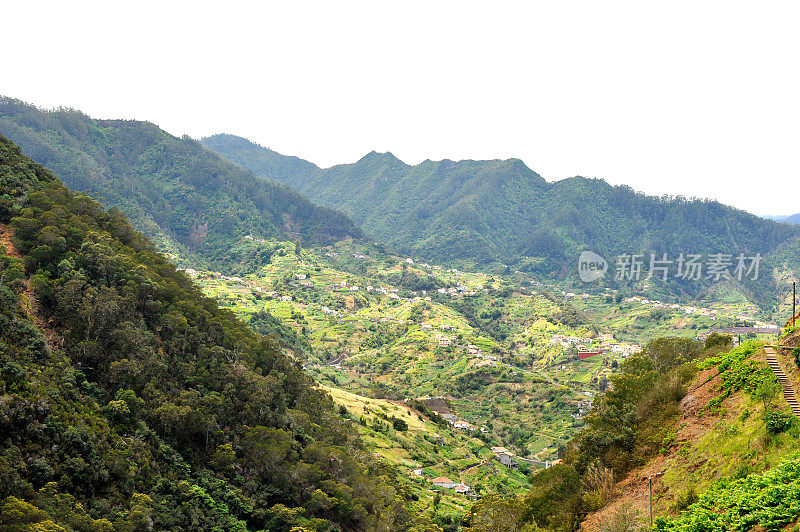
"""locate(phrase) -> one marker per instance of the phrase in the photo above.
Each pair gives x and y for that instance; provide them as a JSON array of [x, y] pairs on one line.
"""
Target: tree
[[767, 390]]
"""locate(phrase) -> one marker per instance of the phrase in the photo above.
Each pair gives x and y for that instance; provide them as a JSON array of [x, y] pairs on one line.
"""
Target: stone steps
[[788, 390]]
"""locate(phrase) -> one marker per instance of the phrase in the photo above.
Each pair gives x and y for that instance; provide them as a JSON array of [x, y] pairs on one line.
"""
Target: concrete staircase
[[788, 389]]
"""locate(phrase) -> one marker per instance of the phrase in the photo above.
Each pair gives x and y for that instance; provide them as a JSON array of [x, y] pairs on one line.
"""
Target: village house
[[444, 341], [626, 349], [473, 350], [463, 489], [444, 482], [505, 457]]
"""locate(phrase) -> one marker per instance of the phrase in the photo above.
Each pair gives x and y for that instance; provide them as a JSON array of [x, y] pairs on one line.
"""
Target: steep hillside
[[707, 425], [489, 212], [734, 435], [186, 199], [129, 401]]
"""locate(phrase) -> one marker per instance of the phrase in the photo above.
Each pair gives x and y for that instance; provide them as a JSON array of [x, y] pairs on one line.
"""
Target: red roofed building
[[444, 482]]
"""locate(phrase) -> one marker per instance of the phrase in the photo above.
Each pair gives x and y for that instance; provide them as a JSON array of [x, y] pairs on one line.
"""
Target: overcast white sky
[[693, 98]]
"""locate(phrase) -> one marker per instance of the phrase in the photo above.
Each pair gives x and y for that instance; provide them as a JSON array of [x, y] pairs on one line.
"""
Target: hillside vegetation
[[186, 199], [706, 423], [130, 401]]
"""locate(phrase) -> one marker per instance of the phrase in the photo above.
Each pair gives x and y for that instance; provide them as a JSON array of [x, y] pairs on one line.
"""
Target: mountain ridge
[[491, 213], [183, 196]]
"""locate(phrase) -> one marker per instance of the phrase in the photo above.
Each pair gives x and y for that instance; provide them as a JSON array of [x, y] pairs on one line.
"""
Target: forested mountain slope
[[137, 404], [182, 196], [490, 211]]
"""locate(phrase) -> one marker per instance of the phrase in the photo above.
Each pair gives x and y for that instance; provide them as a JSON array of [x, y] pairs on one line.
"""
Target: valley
[[464, 386], [502, 355]]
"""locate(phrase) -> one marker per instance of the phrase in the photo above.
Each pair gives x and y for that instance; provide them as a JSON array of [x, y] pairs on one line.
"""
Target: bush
[[777, 422], [399, 424]]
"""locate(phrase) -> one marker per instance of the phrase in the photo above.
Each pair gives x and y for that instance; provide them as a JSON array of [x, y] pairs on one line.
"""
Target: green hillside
[[707, 424], [130, 401], [185, 198], [501, 212]]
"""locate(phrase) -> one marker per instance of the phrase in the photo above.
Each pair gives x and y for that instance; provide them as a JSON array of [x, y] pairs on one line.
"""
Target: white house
[[462, 489], [444, 482]]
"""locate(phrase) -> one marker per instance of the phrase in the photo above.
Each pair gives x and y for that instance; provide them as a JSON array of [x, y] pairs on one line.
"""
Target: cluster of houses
[[686, 309], [602, 344], [474, 350], [509, 459], [461, 489], [460, 424], [255, 239], [456, 291]]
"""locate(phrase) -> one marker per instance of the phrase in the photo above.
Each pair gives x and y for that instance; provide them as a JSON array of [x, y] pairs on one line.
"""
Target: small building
[[450, 418], [444, 482], [462, 489], [587, 354], [507, 459]]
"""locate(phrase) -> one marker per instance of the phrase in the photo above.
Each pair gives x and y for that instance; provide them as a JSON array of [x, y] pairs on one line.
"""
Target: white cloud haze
[[693, 98]]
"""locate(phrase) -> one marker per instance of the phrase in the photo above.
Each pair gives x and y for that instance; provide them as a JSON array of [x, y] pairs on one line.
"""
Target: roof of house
[[442, 480]]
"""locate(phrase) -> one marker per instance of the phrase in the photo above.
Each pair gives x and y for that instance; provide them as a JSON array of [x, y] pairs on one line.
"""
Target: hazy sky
[[693, 98]]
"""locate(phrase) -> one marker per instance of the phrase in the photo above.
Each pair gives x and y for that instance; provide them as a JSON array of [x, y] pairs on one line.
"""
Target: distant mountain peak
[[385, 157]]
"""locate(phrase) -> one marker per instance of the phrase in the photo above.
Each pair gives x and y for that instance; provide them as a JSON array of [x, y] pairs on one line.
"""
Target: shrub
[[777, 422]]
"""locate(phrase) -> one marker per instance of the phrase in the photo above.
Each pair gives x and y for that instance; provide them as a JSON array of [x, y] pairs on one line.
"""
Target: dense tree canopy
[[131, 401]]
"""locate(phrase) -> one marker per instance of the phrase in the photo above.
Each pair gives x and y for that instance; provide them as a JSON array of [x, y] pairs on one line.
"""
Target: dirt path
[[5, 241], [28, 300]]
